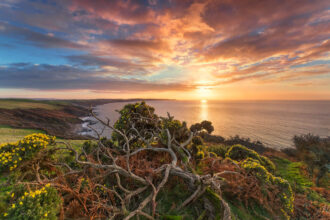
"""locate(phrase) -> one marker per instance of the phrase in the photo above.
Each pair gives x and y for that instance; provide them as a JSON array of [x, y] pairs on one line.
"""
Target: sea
[[274, 123]]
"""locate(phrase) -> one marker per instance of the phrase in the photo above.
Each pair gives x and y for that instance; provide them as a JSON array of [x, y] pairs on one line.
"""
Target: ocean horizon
[[274, 123]]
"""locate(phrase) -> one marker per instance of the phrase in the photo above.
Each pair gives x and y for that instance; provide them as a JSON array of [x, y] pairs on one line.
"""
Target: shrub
[[12, 154], [42, 203], [239, 152], [177, 129], [201, 127], [197, 141], [219, 150], [253, 145], [212, 138], [315, 152], [141, 115], [286, 195]]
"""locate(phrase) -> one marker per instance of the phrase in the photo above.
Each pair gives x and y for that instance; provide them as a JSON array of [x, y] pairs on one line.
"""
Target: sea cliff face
[[61, 122]]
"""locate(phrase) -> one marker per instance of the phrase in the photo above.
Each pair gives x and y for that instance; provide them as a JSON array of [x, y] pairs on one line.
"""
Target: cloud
[[139, 45], [281, 39], [224, 42], [39, 39], [121, 66], [123, 12], [61, 77]]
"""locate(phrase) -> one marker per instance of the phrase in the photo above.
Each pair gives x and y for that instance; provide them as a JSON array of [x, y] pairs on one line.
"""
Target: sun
[[203, 101], [204, 92]]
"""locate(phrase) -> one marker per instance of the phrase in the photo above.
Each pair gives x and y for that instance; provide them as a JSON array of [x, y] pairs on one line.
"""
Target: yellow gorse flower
[[12, 153], [31, 194]]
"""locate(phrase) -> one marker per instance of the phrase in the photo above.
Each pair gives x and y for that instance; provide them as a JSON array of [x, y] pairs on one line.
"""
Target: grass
[[239, 211], [8, 134], [28, 104], [292, 171]]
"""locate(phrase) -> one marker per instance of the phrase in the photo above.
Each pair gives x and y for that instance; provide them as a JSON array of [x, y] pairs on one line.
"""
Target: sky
[[177, 49]]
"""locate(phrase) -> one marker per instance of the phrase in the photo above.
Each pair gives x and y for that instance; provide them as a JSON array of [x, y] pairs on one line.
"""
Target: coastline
[[66, 119]]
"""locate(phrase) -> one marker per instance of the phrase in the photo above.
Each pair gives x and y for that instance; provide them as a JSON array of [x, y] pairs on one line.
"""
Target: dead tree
[[106, 161]]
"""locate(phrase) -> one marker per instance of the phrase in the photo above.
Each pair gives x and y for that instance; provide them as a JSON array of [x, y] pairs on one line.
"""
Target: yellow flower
[[13, 206], [5, 214], [21, 203], [46, 214], [12, 195]]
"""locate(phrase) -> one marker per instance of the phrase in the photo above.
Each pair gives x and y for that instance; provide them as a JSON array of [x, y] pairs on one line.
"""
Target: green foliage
[[9, 134], [201, 152], [172, 217], [4, 192], [215, 201], [42, 203], [291, 171], [26, 104], [254, 212], [239, 152], [266, 178], [314, 196], [315, 152], [219, 150], [176, 128], [203, 126], [197, 140], [173, 196], [141, 116], [12, 154]]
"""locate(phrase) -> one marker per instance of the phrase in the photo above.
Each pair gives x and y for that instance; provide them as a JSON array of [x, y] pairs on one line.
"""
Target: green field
[[8, 134], [28, 104]]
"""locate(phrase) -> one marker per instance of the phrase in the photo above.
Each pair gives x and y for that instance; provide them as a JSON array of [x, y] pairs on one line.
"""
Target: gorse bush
[[286, 194], [239, 152], [12, 154], [43, 203], [151, 168], [140, 116], [202, 127], [139, 121], [219, 150]]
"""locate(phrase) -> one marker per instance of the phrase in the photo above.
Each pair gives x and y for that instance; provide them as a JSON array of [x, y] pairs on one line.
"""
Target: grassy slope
[[27, 104], [8, 134], [56, 117]]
